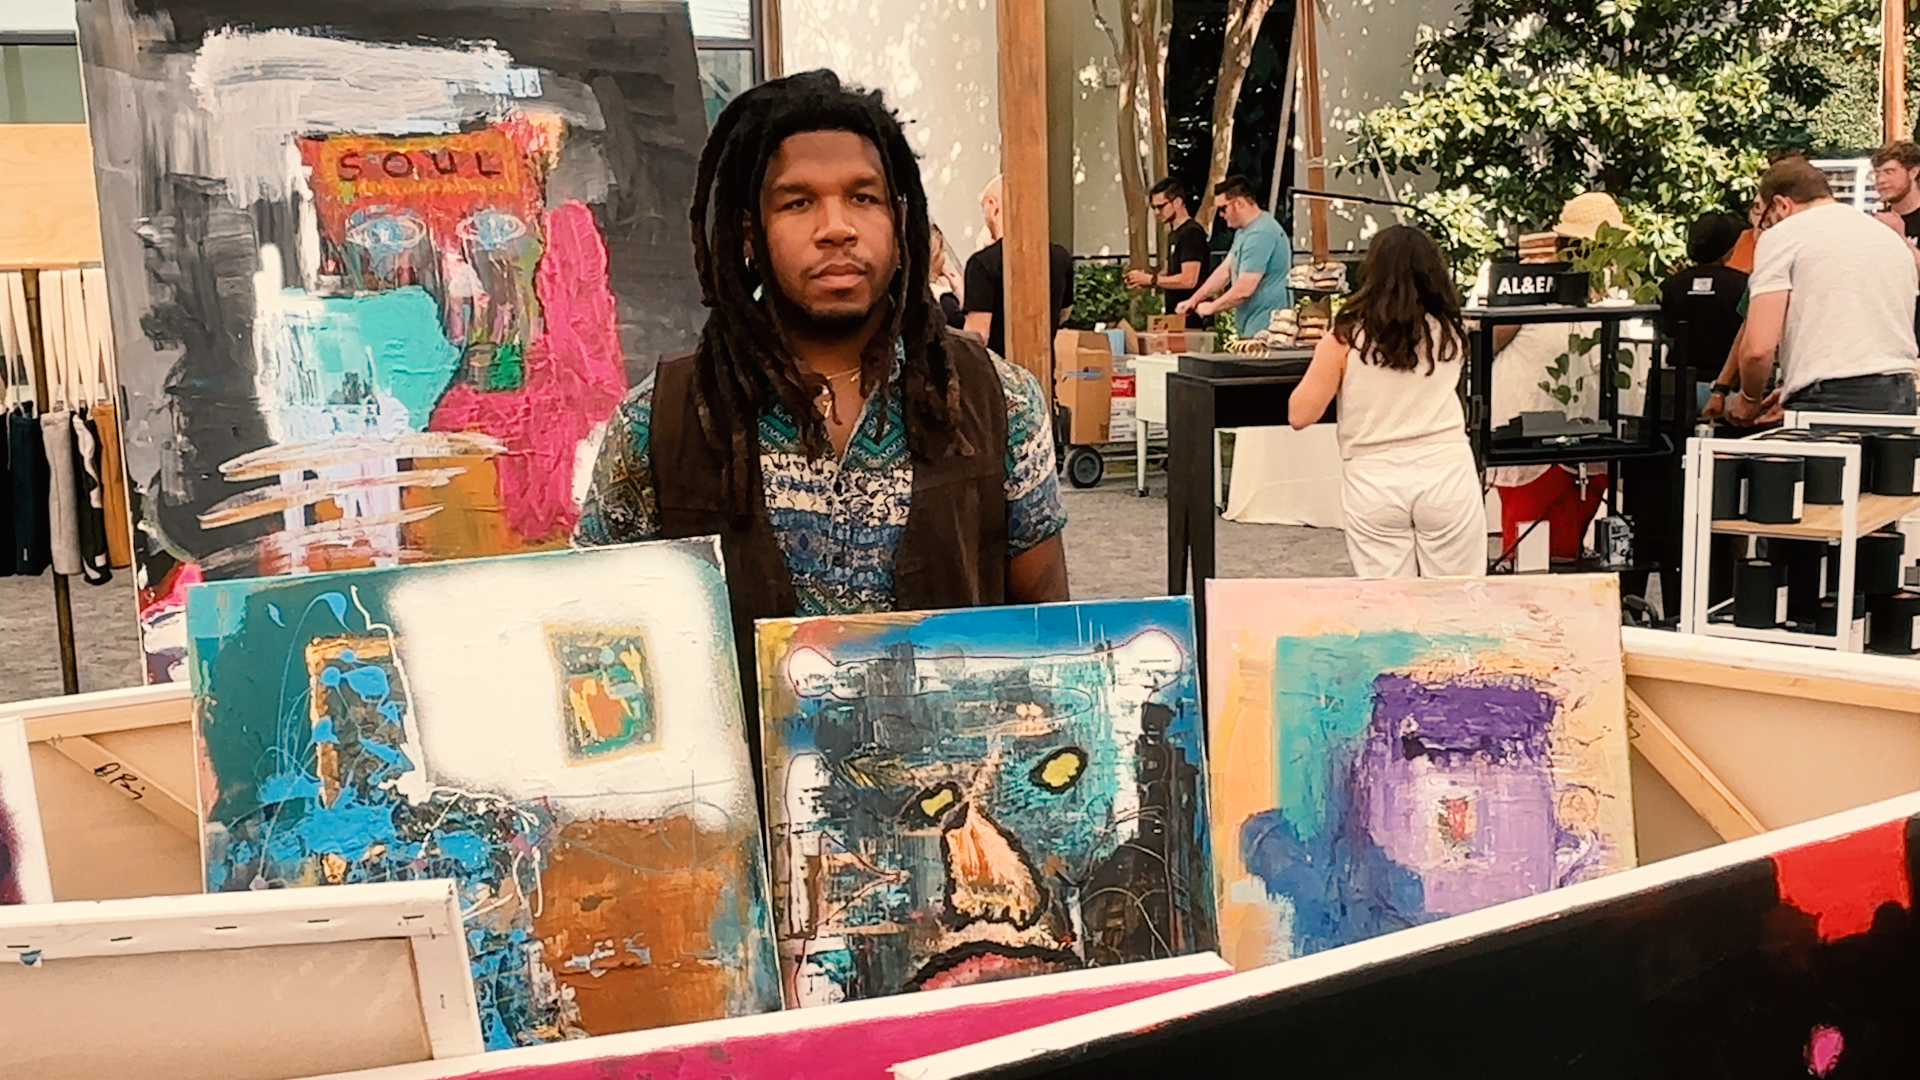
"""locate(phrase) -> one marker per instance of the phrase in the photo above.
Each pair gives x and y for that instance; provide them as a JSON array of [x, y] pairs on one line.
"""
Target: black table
[[1211, 391]]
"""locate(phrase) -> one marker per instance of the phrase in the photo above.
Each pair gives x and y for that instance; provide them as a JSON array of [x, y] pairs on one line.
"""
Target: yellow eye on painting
[[1060, 770], [934, 804]]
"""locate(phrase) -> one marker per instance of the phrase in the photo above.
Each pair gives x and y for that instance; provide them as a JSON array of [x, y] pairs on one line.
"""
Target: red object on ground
[[1554, 498]]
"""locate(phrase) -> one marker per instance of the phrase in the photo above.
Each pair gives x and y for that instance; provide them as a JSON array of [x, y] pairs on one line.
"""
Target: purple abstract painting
[[1387, 753]]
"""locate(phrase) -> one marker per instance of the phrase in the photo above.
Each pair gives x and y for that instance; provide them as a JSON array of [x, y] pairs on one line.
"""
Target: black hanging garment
[[8, 553], [91, 505], [31, 480]]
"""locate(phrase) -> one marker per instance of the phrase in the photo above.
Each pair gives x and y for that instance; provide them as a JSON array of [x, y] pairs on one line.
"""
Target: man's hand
[[1139, 279], [1204, 308], [1715, 408], [1892, 221], [1184, 306], [1747, 412]]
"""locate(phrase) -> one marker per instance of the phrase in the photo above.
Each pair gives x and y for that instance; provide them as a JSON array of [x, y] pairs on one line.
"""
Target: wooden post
[[772, 62], [1310, 128], [1022, 26], [42, 400], [1893, 71]]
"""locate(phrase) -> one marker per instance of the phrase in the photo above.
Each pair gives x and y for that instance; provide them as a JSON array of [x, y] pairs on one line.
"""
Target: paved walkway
[[1116, 547]]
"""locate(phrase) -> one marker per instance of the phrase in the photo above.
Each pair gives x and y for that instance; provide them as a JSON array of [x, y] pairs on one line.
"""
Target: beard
[[831, 324]]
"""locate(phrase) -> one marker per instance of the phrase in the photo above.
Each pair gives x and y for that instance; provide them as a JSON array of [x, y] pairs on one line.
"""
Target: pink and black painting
[[1789, 954], [24, 877], [380, 271]]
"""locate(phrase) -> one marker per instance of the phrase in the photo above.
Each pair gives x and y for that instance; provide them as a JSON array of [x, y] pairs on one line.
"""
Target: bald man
[[986, 279]]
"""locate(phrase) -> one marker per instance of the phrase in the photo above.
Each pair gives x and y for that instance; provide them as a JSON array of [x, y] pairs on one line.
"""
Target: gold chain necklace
[[826, 400]]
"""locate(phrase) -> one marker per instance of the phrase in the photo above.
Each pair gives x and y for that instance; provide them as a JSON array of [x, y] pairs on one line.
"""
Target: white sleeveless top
[[1382, 409]]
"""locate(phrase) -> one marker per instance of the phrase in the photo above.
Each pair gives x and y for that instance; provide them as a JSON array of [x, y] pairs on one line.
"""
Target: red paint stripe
[[1843, 881]]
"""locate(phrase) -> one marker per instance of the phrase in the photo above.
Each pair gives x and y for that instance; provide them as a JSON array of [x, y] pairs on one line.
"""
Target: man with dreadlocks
[[851, 454]]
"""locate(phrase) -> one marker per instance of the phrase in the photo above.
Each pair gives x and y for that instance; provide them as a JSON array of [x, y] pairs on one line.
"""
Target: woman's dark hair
[[746, 360], [1404, 280]]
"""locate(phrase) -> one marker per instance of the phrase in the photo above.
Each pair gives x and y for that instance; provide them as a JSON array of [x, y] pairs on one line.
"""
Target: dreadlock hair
[[746, 359]]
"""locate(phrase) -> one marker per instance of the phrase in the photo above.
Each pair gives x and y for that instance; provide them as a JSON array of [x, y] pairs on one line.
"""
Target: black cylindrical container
[[1776, 489], [1826, 481], [1805, 565], [1759, 597], [1890, 624], [1823, 623], [1894, 455], [1877, 569], [1729, 487]]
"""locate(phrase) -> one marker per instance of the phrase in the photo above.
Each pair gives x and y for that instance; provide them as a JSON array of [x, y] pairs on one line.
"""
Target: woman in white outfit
[[1411, 495]]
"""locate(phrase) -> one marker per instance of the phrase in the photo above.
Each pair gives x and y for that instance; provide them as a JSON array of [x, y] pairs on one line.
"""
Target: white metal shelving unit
[[1859, 513]]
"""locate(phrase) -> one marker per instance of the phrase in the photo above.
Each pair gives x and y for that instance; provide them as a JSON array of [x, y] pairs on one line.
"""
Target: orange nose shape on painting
[[990, 878]]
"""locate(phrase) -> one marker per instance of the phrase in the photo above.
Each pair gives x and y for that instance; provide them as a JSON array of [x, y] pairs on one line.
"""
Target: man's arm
[[1038, 575], [1752, 356], [1186, 278], [1243, 287], [1215, 283], [979, 324]]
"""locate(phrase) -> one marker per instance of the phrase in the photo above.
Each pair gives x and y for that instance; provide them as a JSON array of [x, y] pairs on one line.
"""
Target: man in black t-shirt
[[1896, 179], [1186, 259], [1700, 305], [986, 280]]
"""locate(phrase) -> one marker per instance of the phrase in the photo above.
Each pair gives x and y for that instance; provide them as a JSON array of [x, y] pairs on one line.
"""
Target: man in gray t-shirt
[[1832, 289]]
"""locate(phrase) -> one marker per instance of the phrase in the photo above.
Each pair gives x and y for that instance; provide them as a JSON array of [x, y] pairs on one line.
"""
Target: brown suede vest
[[953, 552]]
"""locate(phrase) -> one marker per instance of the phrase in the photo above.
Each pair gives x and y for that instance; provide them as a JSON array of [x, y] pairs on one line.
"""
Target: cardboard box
[[1160, 324], [1176, 341], [1083, 382]]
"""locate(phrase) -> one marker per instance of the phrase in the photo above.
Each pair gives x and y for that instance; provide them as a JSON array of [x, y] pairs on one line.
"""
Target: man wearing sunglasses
[[1186, 261]]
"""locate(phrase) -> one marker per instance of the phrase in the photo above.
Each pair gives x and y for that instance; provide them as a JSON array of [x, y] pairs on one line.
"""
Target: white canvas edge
[[1433, 937], [126, 697], [23, 807], [709, 1032], [425, 913], [1867, 668]]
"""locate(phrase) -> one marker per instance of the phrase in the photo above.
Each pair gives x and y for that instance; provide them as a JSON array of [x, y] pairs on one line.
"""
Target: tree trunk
[[1243, 29], [1126, 111], [1152, 34]]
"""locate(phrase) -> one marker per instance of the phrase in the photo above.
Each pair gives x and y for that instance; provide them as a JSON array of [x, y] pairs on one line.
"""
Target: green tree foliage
[[1671, 105]]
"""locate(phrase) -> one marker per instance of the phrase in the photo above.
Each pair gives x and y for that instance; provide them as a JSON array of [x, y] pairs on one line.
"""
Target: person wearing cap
[[1700, 305], [1563, 497], [1832, 293]]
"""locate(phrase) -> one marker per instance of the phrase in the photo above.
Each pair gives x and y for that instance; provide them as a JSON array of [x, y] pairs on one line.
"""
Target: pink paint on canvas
[[864, 1049], [575, 376]]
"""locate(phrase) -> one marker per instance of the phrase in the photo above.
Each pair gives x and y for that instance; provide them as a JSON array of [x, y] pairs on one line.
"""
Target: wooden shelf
[[1823, 522]]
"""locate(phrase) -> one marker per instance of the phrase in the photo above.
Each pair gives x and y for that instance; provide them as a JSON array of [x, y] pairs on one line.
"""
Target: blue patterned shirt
[[838, 521]]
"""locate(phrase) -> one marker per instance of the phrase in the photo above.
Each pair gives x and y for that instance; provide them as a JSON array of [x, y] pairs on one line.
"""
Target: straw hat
[[1582, 216]]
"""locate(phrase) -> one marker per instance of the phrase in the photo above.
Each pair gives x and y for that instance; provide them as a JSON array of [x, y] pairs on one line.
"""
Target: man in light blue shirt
[[1253, 278]]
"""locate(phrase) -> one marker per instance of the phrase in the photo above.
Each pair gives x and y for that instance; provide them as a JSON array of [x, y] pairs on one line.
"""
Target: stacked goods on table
[[1322, 277], [1539, 247]]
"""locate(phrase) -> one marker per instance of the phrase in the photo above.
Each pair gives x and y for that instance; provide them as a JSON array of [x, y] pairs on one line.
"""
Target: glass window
[[724, 73], [730, 19], [40, 84]]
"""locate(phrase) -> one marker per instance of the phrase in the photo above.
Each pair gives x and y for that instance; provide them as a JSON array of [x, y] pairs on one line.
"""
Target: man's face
[[1162, 208], [1778, 209], [829, 222], [1893, 181], [1239, 211]]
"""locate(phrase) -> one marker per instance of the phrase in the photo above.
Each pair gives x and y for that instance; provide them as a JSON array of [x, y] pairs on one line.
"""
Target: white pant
[[1415, 511]]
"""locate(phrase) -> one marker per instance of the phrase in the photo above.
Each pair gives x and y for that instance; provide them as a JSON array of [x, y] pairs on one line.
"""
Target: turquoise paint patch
[[391, 342], [1323, 698], [465, 848]]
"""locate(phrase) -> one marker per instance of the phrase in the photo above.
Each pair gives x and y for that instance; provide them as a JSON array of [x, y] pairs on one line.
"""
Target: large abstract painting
[[380, 270], [1386, 753], [560, 733], [965, 796], [23, 852], [1790, 954]]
